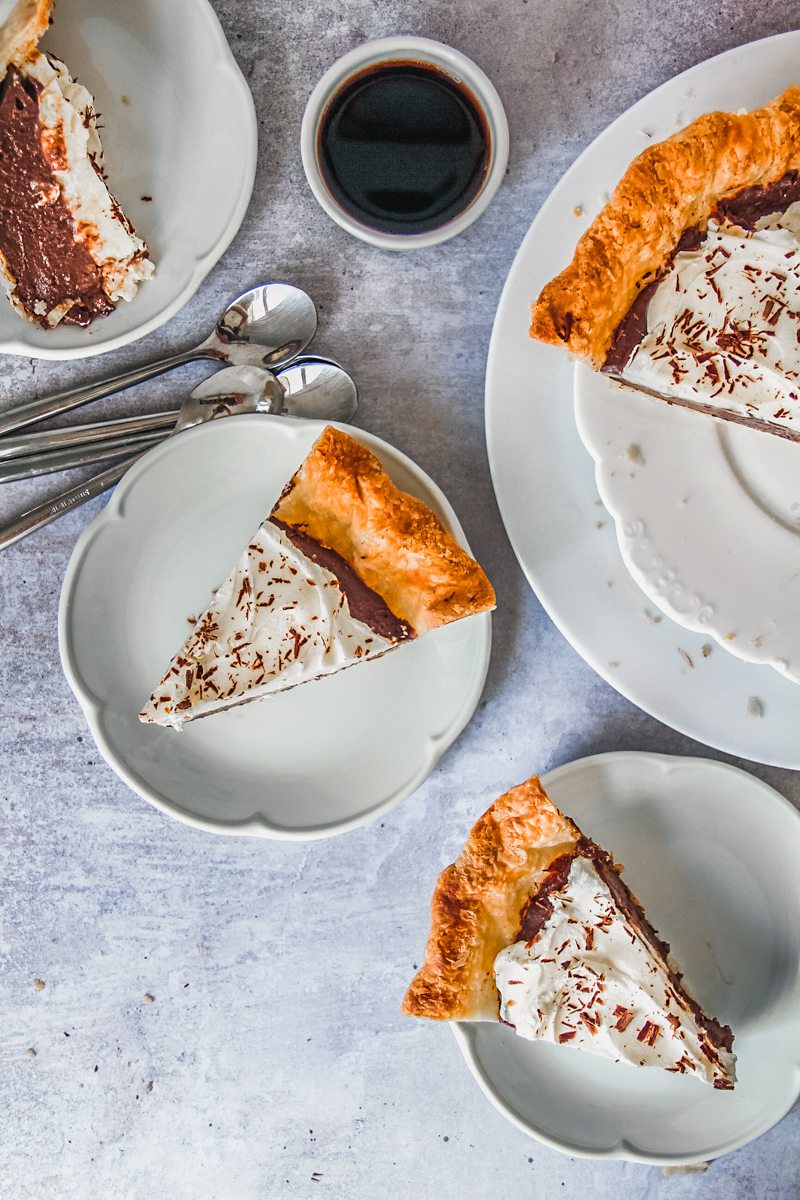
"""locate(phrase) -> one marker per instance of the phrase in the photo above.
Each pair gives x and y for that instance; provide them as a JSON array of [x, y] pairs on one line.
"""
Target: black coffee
[[403, 148]]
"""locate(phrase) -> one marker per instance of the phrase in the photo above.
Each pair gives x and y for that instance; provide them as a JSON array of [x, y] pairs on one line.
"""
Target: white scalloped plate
[[712, 853], [548, 495], [178, 125], [313, 761], [707, 517]]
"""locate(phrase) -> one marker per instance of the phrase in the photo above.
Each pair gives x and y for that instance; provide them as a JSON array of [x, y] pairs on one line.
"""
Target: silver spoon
[[313, 387], [267, 326], [230, 391], [101, 433]]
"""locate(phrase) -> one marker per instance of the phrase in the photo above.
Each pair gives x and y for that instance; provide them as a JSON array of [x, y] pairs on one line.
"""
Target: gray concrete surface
[[271, 1060]]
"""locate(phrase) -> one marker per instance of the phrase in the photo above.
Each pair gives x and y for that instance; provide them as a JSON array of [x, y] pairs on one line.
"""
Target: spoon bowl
[[313, 388], [318, 389], [266, 326]]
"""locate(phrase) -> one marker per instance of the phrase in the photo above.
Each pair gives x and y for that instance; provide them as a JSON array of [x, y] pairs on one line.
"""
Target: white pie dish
[[711, 852], [539, 465], [317, 760], [166, 84]]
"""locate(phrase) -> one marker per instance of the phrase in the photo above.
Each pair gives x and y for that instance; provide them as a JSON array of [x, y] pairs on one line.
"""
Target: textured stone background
[[273, 1047]]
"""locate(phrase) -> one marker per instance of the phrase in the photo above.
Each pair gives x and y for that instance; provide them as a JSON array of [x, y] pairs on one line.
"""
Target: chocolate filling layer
[[633, 326], [745, 208], [751, 204], [539, 909], [364, 603], [37, 232]]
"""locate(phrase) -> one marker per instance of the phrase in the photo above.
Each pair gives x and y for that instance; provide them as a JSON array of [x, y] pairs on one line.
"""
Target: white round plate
[[313, 761], [178, 125], [712, 854], [548, 497]]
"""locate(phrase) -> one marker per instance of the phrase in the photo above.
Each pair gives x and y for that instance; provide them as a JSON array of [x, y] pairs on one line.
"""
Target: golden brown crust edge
[[668, 188], [476, 906], [20, 32], [343, 497]]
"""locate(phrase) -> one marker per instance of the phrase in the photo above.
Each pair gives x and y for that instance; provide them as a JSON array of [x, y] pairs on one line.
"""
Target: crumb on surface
[[31, 1053], [599, 524], [689, 1169], [125, 99], [729, 637], [39, 984], [149, 997], [653, 618], [687, 658], [634, 454], [577, 210], [705, 650]]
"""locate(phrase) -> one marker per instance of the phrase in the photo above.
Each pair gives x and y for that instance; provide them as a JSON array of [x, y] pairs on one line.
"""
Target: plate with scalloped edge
[[712, 854], [676, 669], [306, 763], [180, 142]]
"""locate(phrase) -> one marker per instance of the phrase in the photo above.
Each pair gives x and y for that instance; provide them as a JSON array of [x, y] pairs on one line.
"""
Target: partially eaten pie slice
[[67, 251], [344, 569], [534, 927], [687, 284]]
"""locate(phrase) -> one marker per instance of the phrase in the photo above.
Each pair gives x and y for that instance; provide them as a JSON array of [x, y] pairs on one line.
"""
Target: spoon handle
[[25, 445], [34, 465], [50, 406], [43, 514]]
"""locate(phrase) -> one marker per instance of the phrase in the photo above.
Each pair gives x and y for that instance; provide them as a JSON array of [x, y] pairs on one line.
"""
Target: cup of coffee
[[404, 142]]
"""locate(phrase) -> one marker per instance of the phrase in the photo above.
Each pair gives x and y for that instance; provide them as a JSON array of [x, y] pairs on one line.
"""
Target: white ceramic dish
[[178, 125], [707, 517], [448, 60], [712, 853], [569, 552], [316, 760]]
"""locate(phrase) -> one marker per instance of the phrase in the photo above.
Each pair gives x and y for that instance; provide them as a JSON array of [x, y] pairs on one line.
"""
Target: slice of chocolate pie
[[687, 284], [67, 251], [344, 569], [534, 927]]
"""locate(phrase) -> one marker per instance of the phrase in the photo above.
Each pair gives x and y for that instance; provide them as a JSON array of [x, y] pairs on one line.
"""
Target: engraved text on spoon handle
[[44, 513]]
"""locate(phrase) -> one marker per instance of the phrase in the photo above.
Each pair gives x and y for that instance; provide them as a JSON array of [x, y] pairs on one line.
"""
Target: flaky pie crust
[[343, 497], [20, 32], [670, 187], [478, 901]]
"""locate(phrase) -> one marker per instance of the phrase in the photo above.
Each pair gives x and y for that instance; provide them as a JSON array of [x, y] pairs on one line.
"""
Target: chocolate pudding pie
[[687, 284], [344, 569], [534, 927], [67, 251]]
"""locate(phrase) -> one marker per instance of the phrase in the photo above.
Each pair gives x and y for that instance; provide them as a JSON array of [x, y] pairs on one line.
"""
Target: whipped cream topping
[[723, 324], [280, 619], [72, 146], [589, 980]]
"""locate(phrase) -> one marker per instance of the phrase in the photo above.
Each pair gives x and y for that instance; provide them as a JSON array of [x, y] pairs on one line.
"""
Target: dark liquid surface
[[403, 148]]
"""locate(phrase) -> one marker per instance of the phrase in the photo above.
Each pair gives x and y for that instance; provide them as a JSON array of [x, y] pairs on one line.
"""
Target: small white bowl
[[403, 49]]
